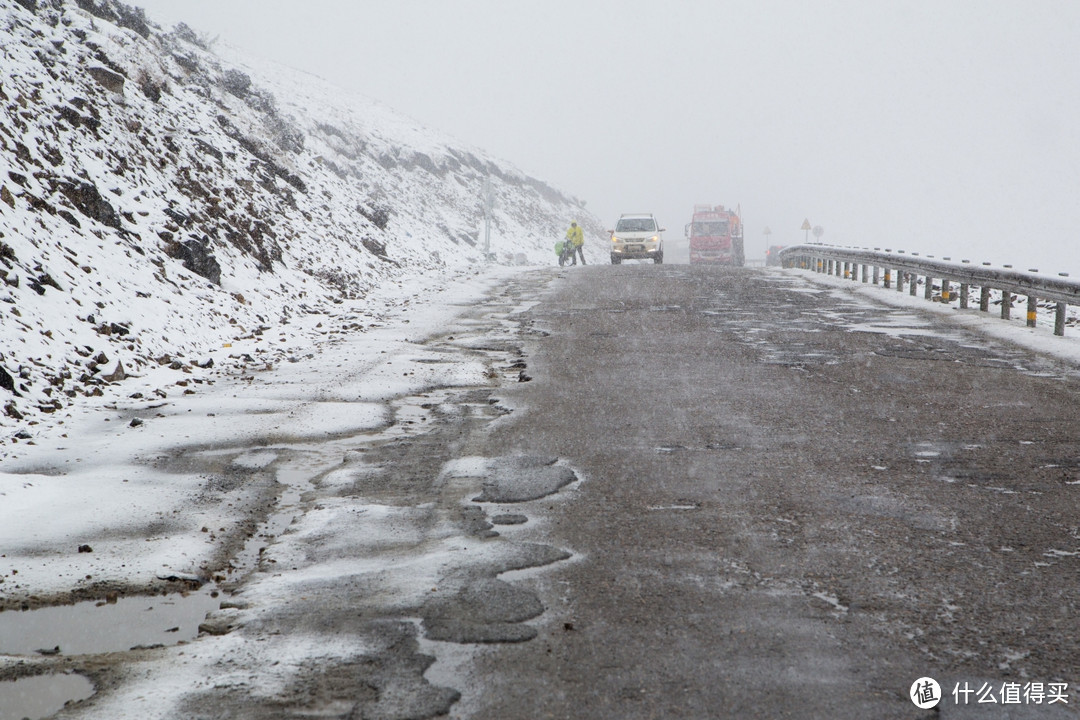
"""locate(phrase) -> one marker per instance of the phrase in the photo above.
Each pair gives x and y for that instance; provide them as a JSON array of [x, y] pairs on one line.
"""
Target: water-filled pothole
[[92, 627], [41, 696]]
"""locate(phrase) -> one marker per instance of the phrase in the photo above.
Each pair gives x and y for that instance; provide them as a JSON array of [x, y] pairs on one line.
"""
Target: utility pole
[[489, 202]]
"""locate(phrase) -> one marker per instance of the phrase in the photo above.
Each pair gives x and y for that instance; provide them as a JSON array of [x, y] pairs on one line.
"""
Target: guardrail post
[[852, 264]]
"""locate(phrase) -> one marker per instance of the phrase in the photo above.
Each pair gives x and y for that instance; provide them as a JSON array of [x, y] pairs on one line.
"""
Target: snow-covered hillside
[[160, 199]]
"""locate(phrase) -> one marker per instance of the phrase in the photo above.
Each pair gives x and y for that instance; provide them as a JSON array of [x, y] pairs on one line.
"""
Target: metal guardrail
[[892, 268]]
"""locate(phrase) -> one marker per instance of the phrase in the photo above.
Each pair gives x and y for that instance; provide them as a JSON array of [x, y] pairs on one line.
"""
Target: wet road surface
[[795, 503], [676, 492]]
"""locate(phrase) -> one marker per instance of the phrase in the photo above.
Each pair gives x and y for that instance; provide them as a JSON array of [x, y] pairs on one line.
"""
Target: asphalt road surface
[[677, 492], [793, 503]]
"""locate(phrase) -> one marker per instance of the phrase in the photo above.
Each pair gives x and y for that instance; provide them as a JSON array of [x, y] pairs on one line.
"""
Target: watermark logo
[[925, 693]]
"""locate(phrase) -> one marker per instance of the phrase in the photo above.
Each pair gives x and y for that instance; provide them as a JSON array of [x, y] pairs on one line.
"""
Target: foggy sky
[[948, 127]]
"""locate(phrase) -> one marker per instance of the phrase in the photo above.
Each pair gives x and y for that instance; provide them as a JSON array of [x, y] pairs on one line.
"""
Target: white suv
[[637, 237]]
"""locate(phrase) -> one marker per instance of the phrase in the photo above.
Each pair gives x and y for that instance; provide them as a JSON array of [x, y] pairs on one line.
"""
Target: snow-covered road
[[266, 495]]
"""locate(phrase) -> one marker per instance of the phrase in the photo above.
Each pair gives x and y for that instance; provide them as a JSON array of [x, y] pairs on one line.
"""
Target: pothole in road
[[42, 695], [124, 623], [92, 627]]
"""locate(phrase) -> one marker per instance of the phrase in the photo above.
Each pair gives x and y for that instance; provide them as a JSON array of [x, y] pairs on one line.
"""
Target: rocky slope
[[159, 199]]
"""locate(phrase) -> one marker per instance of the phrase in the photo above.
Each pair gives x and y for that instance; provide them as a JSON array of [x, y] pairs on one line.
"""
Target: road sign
[[805, 224]]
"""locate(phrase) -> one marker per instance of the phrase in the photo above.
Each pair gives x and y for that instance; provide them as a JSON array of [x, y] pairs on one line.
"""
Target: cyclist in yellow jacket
[[576, 237]]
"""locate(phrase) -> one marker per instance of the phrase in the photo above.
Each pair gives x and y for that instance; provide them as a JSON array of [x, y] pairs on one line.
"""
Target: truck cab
[[715, 235]]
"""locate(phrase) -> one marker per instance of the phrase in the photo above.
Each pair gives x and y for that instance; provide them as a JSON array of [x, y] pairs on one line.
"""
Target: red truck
[[716, 236]]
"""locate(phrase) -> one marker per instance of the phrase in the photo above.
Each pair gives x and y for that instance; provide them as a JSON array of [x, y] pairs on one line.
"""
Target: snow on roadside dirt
[[350, 455], [164, 205]]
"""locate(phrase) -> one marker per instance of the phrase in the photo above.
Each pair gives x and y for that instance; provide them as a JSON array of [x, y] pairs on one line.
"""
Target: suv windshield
[[635, 225]]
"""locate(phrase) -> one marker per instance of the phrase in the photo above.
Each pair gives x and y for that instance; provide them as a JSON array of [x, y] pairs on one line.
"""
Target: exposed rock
[[46, 279], [117, 374], [379, 215], [216, 626], [198, 258], [87, 200], [6, 381], [377, 248], [111, 81]]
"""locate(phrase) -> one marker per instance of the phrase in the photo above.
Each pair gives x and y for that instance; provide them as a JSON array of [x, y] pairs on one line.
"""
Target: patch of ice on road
[[338, 526], [1060, 553], [221, 663], [831, 600], [471, 466], [301, 421], [136, 521], [255, 460], [404, 579]]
